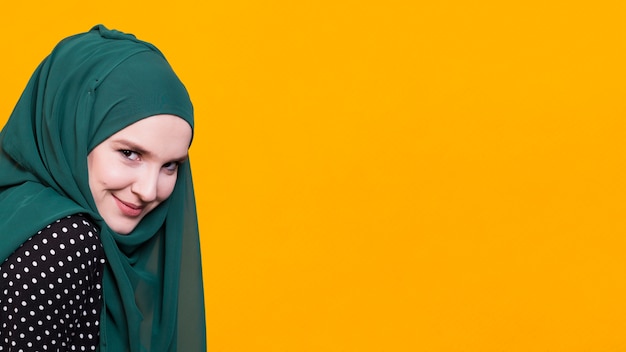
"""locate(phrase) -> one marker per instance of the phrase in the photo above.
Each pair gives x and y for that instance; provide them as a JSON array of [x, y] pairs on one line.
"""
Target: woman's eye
[[171, 166], [129, 154]]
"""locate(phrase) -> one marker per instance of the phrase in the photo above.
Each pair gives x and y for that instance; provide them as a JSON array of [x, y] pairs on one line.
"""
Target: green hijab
[[91, 86]]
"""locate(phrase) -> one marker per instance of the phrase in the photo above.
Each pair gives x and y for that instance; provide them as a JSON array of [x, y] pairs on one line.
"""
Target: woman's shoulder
[[72, 224], [73, 237]]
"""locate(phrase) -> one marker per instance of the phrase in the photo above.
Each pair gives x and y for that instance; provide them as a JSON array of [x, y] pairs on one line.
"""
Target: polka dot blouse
[[50, 289]]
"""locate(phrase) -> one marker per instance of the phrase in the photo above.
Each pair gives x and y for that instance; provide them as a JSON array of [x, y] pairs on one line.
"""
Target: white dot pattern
[[51, 290]]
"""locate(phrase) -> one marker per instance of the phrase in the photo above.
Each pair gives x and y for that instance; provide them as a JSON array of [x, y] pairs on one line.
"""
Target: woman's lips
[[128, 209]]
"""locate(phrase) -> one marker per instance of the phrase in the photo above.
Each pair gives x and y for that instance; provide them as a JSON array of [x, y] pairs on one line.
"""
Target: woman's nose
[[145, 185]]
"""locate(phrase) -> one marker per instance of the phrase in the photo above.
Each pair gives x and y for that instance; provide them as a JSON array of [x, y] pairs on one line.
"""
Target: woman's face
[[134, 170]]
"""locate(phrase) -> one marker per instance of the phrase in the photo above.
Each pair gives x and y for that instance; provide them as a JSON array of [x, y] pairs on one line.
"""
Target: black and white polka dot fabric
[[50, 290]]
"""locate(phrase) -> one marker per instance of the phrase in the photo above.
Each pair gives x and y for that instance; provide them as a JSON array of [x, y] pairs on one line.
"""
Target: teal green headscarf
[[91, 86]]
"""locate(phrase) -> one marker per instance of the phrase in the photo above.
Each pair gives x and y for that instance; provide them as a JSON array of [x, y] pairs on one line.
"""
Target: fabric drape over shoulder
[[91, 86]]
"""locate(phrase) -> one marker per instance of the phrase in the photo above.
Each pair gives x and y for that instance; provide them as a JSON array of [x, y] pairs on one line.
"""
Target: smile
[[128, 209]]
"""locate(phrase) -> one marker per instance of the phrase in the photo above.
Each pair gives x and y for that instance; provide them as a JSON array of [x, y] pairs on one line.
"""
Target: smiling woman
[[98, 225], [135, 170]]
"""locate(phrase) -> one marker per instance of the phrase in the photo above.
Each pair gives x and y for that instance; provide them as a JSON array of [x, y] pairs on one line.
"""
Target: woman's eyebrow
[[183, 159], [133, 146]]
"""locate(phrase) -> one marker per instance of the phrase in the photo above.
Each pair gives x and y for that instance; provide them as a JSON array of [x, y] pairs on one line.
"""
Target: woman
[[100, 246]]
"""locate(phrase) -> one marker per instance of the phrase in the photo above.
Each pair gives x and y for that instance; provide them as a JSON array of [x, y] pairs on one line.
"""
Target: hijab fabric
[[91, 86]]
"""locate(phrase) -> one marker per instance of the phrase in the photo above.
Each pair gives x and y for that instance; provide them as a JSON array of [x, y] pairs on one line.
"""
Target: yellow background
[[392, 175]]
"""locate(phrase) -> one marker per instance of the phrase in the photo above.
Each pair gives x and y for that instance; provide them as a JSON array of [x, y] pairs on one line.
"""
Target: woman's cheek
[[166, 187]]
